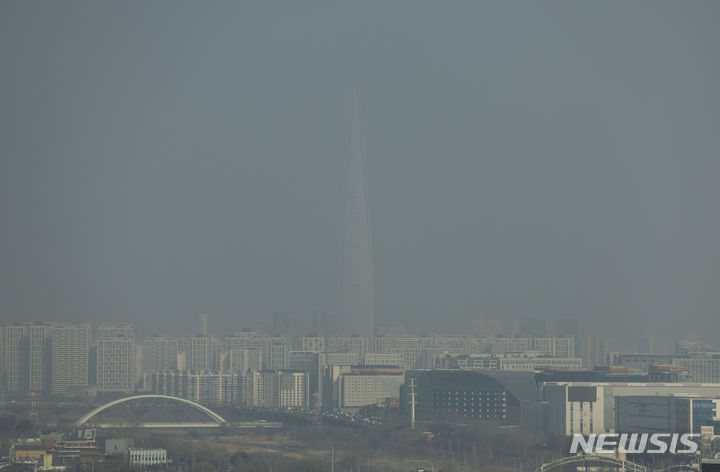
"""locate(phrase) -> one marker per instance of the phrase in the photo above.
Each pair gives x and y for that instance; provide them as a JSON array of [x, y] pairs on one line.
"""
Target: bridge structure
[[682, 468], [151, 411], [589, 461]]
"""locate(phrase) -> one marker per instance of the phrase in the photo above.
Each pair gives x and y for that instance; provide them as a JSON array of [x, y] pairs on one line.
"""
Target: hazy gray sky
[[164, 159]]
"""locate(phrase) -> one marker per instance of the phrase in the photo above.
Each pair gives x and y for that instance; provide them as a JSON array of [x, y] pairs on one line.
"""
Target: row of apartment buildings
[[44, 357], [64, 358]]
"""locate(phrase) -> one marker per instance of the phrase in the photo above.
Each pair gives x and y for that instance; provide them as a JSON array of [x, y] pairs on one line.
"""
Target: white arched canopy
[[589, 458], [84, 419]]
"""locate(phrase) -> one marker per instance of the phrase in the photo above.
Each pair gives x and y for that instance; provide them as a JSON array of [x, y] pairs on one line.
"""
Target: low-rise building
[[83, 451], [358, 389], [589, 407], [495, 396], [529, 363], [145, 457], [32, 450], [665, 414], [118, 446]]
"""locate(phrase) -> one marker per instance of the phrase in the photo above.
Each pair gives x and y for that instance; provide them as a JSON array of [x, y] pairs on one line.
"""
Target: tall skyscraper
[[356, 305]]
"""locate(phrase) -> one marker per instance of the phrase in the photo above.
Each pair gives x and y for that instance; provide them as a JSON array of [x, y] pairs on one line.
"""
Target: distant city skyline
[[545, 160]]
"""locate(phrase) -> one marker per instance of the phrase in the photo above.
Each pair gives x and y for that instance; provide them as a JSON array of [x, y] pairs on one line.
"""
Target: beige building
[[357, 390]]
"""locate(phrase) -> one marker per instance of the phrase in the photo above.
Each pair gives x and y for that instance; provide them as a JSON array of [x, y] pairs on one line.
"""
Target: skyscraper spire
[[356, 297]]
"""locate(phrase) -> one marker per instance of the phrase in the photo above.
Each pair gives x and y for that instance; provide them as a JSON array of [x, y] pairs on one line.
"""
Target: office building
[[588, 407], [665, 414], [360, 389], [575, 409], [703, 369]]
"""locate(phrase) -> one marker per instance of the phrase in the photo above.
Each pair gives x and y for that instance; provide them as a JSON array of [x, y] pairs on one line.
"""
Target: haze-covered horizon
[[166, 159]]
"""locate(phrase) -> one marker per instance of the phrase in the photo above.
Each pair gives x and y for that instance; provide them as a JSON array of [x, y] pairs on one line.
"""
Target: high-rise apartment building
[[279, 353], [347, 344], [204, 387], [3, 360], [15, 358], [116, 364], [529, 327], [486, 327], [70, 344], [115, 330], [204, 326], [26, 357], [262, 389], [274, 350], [313, 344], [276, 388], [39, 357], [555, 346], [159, 353], [200, 353], [293, 389], [243, 360]]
